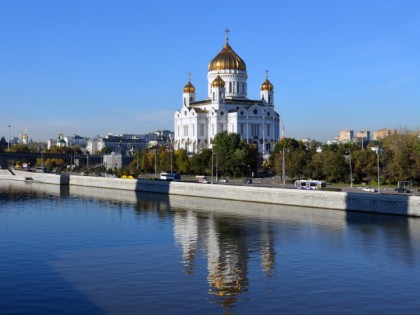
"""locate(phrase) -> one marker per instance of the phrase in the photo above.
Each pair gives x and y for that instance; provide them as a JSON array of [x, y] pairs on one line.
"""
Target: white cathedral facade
[[227, 108]]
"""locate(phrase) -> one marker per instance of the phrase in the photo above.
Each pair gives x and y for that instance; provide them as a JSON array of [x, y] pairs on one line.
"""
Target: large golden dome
[[227, 59], [189, 88]]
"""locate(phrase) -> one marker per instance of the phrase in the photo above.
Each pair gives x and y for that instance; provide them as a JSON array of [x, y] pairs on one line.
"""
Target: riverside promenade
[[405, 205]]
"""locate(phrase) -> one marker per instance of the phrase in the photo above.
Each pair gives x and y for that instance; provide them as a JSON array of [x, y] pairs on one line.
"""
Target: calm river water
[[92, 251]]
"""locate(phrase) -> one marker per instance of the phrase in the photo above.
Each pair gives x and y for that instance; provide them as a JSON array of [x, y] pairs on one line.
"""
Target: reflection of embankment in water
[[114, 195], [330, 218], [29, 186], [227, 207]]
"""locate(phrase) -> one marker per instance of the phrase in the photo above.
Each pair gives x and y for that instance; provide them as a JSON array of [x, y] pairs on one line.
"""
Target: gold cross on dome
[[266, 74], [189, 76], [227, 31]]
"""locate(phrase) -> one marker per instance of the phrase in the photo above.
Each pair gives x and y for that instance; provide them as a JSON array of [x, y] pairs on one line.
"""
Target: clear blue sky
[[99, 66]]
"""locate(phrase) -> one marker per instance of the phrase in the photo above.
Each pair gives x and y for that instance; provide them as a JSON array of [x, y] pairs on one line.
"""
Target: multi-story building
[[226, 108], [346, 135], [363, 137], [76, 140], [382, 133], [128, 143], [121, 144]]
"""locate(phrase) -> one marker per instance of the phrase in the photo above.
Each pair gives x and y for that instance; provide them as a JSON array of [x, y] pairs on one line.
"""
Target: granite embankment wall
[[60, 179], [378, 203]]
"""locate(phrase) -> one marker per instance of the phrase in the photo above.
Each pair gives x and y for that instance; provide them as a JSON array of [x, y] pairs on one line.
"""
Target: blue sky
[[99, 66]]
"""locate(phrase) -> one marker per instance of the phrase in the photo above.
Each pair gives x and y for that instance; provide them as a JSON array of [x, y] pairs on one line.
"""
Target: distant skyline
[[98, 67]]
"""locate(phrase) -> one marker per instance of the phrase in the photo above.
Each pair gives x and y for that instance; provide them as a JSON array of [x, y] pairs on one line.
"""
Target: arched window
[[214, 96], [185, 101]]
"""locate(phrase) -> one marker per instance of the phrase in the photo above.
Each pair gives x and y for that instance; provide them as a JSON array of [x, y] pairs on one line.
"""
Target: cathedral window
[[255, 129], [230, 87], [269, 99], [185, 101], [214, 96], [201, 130], [255, 112], [237, 87]]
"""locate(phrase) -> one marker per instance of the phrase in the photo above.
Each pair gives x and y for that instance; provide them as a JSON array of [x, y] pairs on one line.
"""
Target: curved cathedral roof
[[227, 59]]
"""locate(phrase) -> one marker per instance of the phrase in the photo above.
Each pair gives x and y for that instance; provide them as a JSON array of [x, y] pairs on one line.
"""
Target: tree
[[182, 163], [399, 156], [105, 150], [19, 148], [233, 155], [201, 162]]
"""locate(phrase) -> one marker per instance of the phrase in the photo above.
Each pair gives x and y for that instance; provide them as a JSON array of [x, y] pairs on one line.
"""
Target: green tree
[[399, 156], [201, 162], [105, 150], [19, 148], [182, 163]]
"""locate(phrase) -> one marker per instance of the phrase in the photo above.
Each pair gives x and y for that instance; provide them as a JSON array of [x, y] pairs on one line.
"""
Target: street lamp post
[[351, 170], [283, 170], [216, 166], [171, 160], [377, 151], [212, 167], [155, 164], [8, 142]]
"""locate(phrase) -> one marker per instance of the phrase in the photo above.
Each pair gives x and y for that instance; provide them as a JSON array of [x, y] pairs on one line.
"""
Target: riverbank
[[347, 201]]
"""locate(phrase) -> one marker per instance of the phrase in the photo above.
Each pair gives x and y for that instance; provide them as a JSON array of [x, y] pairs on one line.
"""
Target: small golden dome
[[218, 82], [267, 86], [227, 59], [189, 88]]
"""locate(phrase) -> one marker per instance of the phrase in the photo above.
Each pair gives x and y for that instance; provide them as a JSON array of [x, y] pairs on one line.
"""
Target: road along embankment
[[377, 203]]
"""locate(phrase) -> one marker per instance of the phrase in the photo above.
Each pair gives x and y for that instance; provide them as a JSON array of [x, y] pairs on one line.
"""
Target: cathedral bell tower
[[267, 93], [218, 90], [189, 93]]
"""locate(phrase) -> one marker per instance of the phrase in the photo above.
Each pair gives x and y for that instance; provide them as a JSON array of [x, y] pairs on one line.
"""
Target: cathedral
[[227, 108]]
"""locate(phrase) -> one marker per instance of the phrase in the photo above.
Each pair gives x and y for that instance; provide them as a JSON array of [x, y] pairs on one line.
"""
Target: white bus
[[310, 184], [170, 177]]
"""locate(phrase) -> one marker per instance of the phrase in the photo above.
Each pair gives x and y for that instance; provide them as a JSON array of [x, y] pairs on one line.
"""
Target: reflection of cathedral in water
[[186, 234], [227, 247]]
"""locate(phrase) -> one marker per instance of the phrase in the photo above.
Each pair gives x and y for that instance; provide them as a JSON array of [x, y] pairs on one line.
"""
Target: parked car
[[247, 181], [369, 189], [402, 190], [223, 180]]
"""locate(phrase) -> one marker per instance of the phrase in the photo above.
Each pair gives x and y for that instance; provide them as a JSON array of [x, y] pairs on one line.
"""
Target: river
[[79, 250]]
